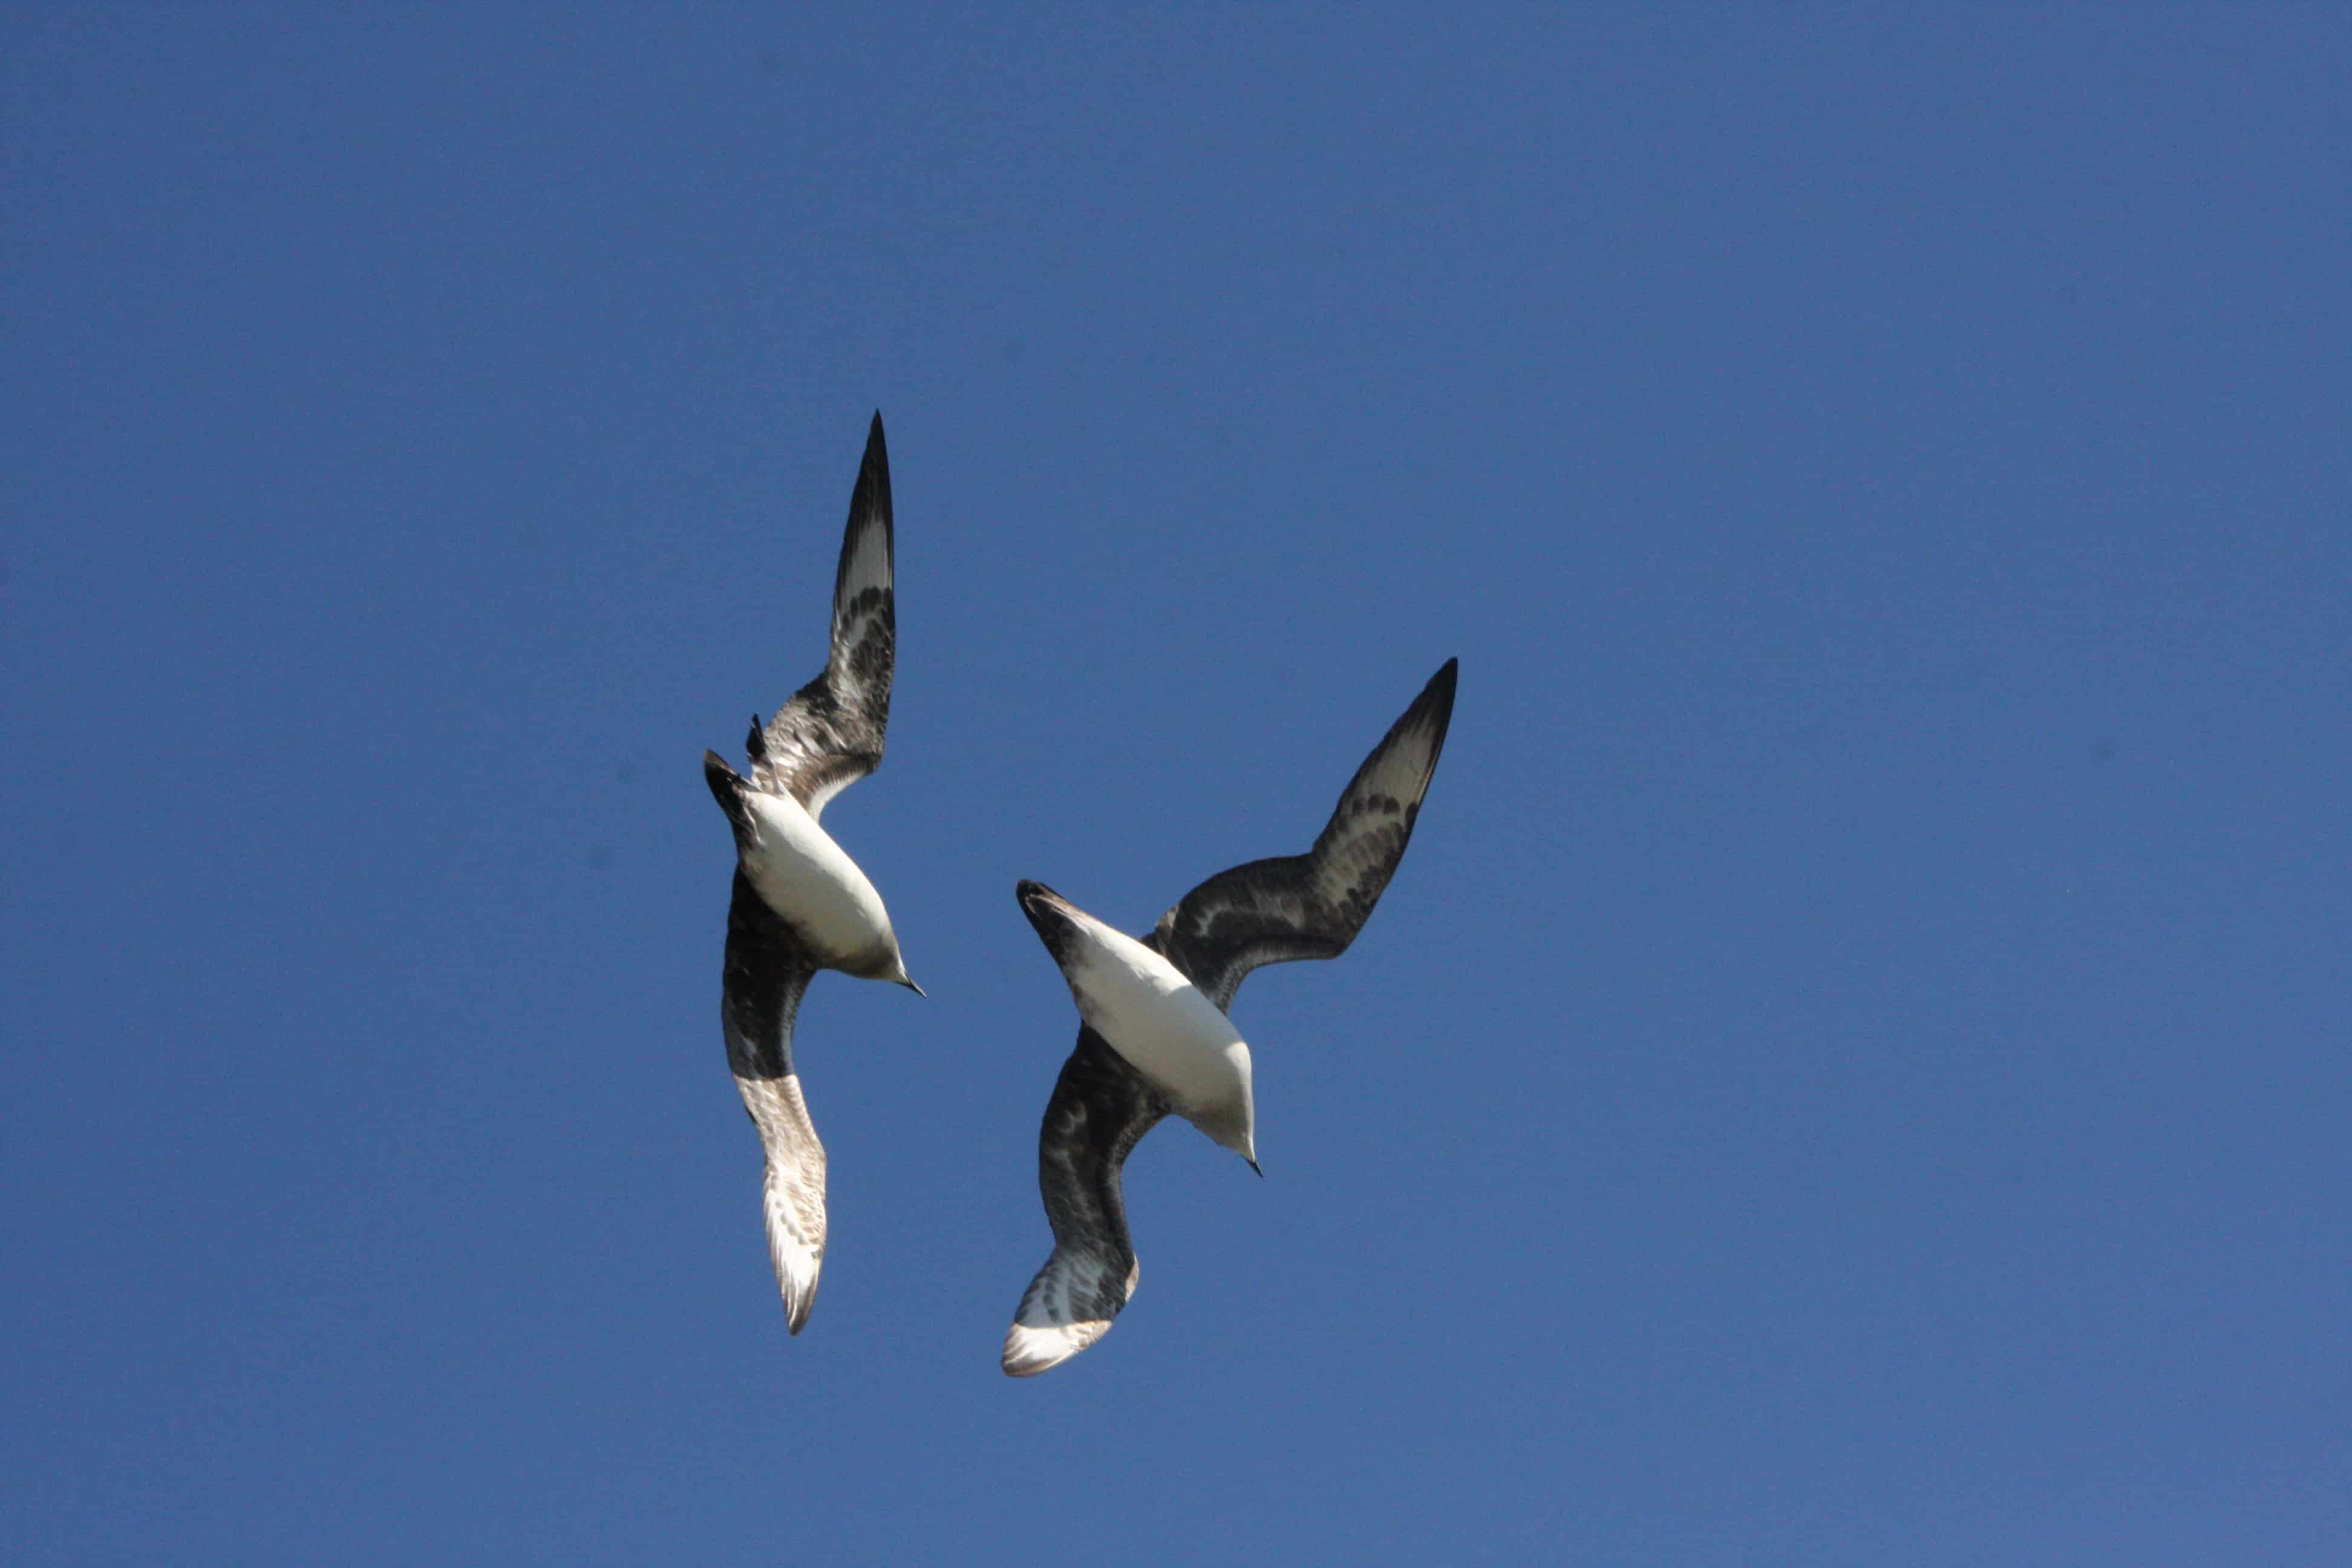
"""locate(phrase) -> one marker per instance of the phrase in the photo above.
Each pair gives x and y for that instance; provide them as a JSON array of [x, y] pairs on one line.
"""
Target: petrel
[[800, 903], [1154, 1040]]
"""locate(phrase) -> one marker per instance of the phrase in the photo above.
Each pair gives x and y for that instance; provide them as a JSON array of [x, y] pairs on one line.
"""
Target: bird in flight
[[1154, 1038], [800, 903]]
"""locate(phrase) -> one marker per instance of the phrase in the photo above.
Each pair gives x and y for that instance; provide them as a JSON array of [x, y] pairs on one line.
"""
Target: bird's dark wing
[[768, 972], [830, 735], [1101, 1107], [1312, 905]]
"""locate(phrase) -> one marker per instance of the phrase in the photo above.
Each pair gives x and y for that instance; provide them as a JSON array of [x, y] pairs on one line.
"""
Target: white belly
[[807, 878], [1157, 1020]]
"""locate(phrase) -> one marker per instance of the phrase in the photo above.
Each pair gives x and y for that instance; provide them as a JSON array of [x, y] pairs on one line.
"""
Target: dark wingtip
[[871, 494], [1443, 681], [1436, 701], [1252, 1165], [915, 988], [755, 744], [869, 502]]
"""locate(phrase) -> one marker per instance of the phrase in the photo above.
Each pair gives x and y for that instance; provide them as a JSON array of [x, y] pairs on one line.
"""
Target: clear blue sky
[[1853, 1070]]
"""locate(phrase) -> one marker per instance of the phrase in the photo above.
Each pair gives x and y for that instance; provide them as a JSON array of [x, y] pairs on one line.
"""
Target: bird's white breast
[[1157, 1019], [808, 880]]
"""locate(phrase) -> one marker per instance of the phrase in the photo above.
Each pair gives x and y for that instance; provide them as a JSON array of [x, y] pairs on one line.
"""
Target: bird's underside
[[1266, 911]]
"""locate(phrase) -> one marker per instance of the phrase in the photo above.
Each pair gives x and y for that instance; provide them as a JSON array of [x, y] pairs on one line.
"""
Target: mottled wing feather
[[1312, 905], [830, 735], [1101, 1107], [768, 972]]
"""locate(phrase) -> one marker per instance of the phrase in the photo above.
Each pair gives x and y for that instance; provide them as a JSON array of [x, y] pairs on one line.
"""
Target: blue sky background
[[1853, 1070]]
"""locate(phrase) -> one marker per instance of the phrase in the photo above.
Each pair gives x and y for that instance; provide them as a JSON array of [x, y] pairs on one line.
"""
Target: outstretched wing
[[768, 972], [1312, 905], [830, 735], [1101, 1107]]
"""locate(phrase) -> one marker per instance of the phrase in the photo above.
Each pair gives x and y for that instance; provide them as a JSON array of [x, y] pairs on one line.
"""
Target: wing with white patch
[[830, 735], [1101, 1107], [792, 1192], [1312, 905], [768, 972]]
